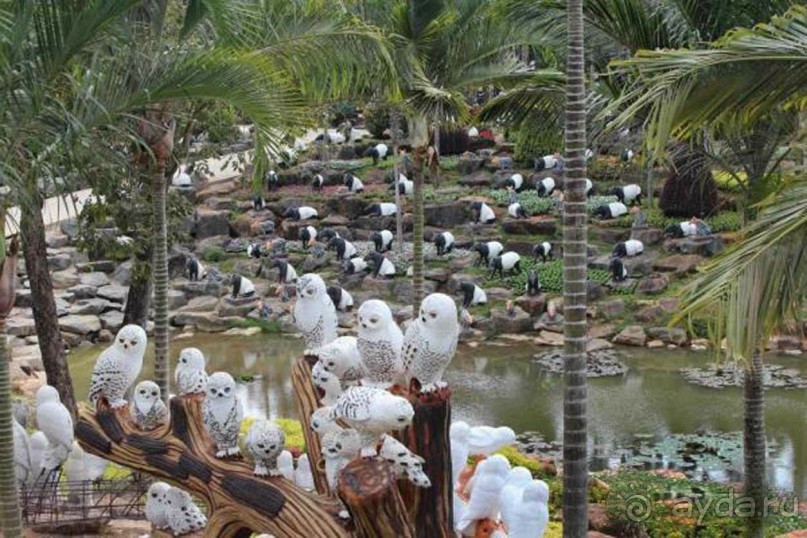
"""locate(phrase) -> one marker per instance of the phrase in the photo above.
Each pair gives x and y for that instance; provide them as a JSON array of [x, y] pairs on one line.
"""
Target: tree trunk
[[308, 401], [138, 298], [417, 228], [44, 304], [157, 131], [575, 463], [10, 522], [395, 121], [754, 445]]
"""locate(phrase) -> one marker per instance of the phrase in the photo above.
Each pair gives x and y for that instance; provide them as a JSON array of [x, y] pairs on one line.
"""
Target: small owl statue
[[190, 375], [147, 408], [222, 414], [265, 441], [118, 366], [184, 516]]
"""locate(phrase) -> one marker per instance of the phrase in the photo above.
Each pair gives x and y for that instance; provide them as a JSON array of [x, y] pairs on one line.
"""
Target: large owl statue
[[372, 411], [379, 341], [183, 515], [156, 508], [222, 414], [118, 366], [147, 409], [190, 375], [265, 442], [431, 341], [314, 313], [55, 421]]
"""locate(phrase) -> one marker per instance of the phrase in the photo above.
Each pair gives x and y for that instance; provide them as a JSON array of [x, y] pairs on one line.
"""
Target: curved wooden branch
[[308, 400], [181, 453]]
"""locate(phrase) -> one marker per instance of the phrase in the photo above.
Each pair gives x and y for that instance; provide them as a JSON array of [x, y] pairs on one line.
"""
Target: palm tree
[[575, 262]]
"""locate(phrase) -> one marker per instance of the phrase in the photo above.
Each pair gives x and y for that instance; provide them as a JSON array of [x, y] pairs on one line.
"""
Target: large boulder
[[653, 284], [204, 321], [533, 305], [612, 309], [540, 225], [112, 320], [648, 236], [446, 215], [678, 264], [59, 262], [113, 292], [706, 246], [210, 222], [668, 335], [123, 273], [80, 324], [65, 279], [632, 335], [480, 179], [91, 306], [238, 307], [346, 205], [217, 189], [469, 163], [202, 303], [176, 299], [95, 279], [516, 322], [20, 326]]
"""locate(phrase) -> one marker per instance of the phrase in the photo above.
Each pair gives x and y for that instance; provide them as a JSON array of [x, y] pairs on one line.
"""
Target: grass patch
[[727, 221]]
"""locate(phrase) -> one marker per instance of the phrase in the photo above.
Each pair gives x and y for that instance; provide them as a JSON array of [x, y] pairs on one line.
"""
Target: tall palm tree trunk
[[139, 297], [10, 522], [575, 440], [417, 226], [46, 318], [395, 125], [157, 130], [754, 445]]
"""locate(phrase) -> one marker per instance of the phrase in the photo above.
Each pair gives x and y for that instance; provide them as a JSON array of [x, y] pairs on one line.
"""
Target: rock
[[497, 294], [606, 330], [56, 240], [22, 299], [404, 314], [649, 313], [90, 306], [539, 225], [95, 279], [220, 203], [242, 331], [105, 336], [82, 291], [597, 344], [784, 343], [59, 262], [653, 284], [20, 326], [611, 309], [477, 179], [668, 335], [636, 266], [446, 215], [469, 163], [65, 279], [237, 308], [678, 263], [554, 324], [313, 263], [176, 299], [344, 206], [548, 338], [648, 236], [438, 275], [113, 292], [655, 344], [80, 324], [669, 304], [200, 288], [28, 357], [595, 291], [123, 273], [112, 320], [200, 304], [706, 246], [534, 305], [219, 189], [517, 322], [632, 335], [103, 266], [204, 321], [210, 223]]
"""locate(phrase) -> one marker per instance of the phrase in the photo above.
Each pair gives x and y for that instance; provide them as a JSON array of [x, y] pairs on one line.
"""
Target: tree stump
[[181, 453], [308, 400], [369, 490]]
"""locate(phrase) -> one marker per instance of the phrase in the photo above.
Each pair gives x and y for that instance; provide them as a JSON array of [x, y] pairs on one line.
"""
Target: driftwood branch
[[181, 453]]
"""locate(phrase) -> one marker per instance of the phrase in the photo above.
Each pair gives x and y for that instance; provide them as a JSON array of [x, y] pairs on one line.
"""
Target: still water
[[499, 385]]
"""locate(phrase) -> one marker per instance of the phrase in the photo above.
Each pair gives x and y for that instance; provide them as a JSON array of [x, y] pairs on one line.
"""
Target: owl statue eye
[[373, 320], [226, 389], [213, 392], [433, 314], [154, 393], [134, 342], [142, 391], [183, 360], [121, 341]]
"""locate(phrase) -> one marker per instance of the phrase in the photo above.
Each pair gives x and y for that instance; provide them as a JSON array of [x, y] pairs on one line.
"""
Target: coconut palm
[[575, 261]]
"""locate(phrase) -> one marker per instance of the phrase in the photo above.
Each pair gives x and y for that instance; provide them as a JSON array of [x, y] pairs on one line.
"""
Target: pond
[[498, 384]]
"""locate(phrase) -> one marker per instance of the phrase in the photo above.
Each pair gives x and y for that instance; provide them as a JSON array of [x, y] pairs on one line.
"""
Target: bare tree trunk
[[575, 435], [754, 445], [395, 121], [10, 522], [46, 318], [138, 300]]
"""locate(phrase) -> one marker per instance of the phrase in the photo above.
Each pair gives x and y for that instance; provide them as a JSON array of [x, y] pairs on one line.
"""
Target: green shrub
[[727, 221], [550, 275], [377, 119], [531, 145], [532, 203], [213, 254]]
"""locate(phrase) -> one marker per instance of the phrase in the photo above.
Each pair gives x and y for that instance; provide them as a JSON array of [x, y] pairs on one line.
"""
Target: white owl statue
[[222, 414], [372, 412], [314, 313], [431, 341], [342, 358], [156, 512], [190, 375], [118, 366], [183, 515], [379, 341], [55, 421], [265, 441], [147, 408]]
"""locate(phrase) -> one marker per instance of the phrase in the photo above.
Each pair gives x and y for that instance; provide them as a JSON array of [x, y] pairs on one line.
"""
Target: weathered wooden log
[[369, 490], [308, 400], [428, 436], [181, 453]]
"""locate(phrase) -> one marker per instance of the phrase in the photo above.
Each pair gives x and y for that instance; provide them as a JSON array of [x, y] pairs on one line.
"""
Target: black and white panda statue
[[384, 209], [516, 182], [405, 186], [196, 271], [272, 181], [543, 250], [380, 265], [682, 229], [629, 248], [509, 262], [342, 300], [345, 250], [618, 271], [443, 242], [241, 286], [482, 213], [254, 250], [382, 241], [353, 183], [286, 272], [486, 251], [628, 195], [533, 284], [318, 184], [300, 213], [627, 155], [327, 234], [547, 162], [589, 188], [355, 266], [611, 211], [517, 211], [377, 152], [472, 294], [545, 187], [308, 235], [258, 203]]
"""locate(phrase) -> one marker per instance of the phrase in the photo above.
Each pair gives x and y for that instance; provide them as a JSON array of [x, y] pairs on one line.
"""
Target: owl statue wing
[[411, 345], [106, 366]]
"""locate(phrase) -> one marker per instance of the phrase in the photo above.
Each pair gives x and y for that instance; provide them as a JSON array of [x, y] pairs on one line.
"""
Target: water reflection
[[493, 384]]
